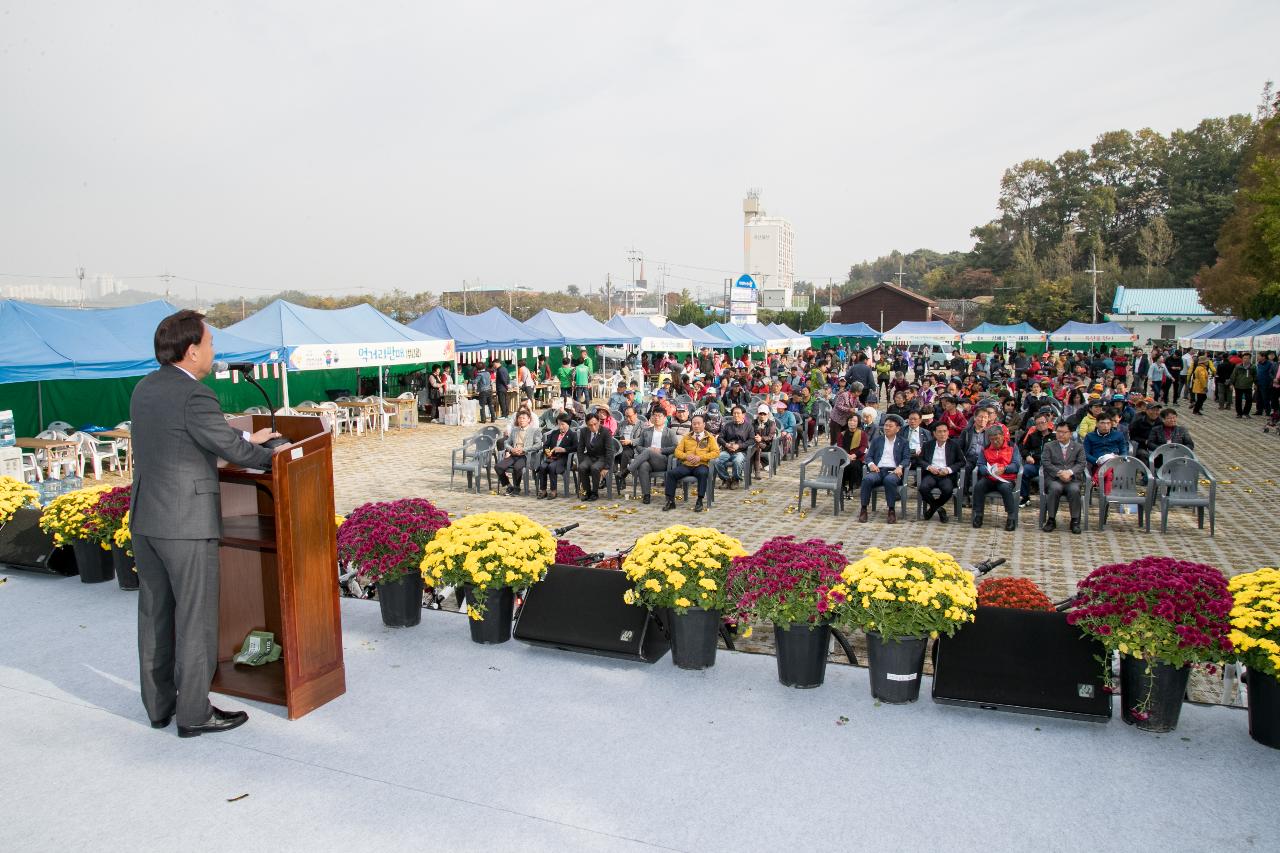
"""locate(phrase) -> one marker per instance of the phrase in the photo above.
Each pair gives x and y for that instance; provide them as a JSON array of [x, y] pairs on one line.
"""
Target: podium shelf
[[261, 683], [249, 531]]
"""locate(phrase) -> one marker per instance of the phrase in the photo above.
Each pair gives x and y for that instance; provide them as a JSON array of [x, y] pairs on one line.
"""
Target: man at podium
[[178, 434]]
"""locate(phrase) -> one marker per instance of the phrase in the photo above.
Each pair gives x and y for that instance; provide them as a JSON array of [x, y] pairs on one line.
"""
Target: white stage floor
[[440, 744]]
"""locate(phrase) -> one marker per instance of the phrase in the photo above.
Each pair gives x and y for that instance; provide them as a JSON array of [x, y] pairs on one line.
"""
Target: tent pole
[[382, 421], [40, 405], [284, 384]]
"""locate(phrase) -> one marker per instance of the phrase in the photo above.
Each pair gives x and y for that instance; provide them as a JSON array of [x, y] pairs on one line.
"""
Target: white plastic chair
[[340, 418], [31, 466], [386, 410], [62, 427], [91, 450], [123, 444]]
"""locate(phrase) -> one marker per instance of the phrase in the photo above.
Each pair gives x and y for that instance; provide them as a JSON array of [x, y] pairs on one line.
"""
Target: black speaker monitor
[[580, 609], [1024, 661], [23, 545]]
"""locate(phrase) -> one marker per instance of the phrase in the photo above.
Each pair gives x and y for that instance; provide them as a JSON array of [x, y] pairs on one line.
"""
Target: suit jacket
[[594, 446], [901, 451], [178, 435], [669, 439], [1159, 435], [955, 456], [1053, 460], [569, 441], [532, 440]]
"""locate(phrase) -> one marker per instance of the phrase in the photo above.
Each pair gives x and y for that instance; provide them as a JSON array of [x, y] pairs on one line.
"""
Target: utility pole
[[1093, 268], [80, 275], [242, 312], [899, 273], [510, 294], [608, 294], [167, 276], [830, 297], [464, 296]]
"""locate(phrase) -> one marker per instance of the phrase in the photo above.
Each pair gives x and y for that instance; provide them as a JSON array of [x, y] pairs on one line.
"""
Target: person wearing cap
[[713, 417], [661, 403], [1089, 418], [887, 459], [765, 434], [680, 420], [618, 399]]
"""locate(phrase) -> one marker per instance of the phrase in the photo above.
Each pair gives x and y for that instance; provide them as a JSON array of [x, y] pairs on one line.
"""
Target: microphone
[[246, 370]]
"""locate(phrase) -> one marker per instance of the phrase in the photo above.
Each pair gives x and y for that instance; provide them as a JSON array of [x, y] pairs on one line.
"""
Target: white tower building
[[767, 253]]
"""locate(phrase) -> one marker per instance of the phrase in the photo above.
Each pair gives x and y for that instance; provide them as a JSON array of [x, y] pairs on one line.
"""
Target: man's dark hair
[[176, 334], [1168, 412]]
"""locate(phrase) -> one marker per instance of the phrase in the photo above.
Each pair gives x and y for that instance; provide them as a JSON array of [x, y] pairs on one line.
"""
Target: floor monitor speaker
[[23, 545], [1025, 661], [580, 609]]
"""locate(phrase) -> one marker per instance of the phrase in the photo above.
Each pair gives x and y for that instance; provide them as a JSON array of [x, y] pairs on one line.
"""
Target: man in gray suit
[[178, 435], [654, 444], [1062, 468]]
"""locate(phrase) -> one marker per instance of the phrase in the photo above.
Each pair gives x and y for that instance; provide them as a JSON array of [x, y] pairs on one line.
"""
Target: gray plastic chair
[[957, 495], [473, 458], [1167, 453], [973, 475], [1178, 484], [821, 417], [831, 462], [1128, 475]]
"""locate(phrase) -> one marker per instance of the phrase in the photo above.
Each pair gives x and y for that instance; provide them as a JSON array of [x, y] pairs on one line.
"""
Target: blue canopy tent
[[984, 337], [735, 335], [576, 329], [798, 341], [492, 330], [48, 344], [649, 337], [1243, 339], [845, 330], [1190, 340], [1267, 336], [1073, 332], [921, 332], [355, 337], [772, 340], [1216, 340], [700, 336]]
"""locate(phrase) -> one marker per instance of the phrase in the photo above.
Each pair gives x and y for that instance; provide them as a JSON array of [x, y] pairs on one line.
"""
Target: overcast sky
[[333, 146]]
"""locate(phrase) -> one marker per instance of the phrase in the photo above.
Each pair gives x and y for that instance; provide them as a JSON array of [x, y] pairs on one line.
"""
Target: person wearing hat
[[618, 399], [607, 420], [766, 433], [661, 403], [680, 420], [1088, 416], [713, 417], [787, 424], [887, 459]]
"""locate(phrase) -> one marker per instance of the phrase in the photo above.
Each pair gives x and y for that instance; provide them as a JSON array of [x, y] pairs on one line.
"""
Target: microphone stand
[[248, 377]]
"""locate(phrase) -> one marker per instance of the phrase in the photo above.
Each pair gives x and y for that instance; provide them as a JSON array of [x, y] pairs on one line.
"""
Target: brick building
[[885, 306]]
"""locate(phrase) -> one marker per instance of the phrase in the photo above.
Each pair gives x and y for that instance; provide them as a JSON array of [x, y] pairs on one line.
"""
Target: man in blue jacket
[[887, 459], [1105, 441], [1266, 374]]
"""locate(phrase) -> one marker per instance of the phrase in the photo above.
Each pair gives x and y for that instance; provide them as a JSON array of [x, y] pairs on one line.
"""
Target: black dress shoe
[[1011, 525], [942, 515], [977, 521], [645, 499], [1075, 525], [669, 505], [698, 507], [1049, 526], [219, 721], [162, 723]]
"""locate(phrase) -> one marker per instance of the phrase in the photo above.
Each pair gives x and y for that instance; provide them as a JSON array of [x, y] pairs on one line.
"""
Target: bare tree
[[1155, 244]]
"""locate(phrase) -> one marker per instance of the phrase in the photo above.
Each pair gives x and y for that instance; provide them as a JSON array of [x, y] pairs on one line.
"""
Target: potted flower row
[[72, 521]]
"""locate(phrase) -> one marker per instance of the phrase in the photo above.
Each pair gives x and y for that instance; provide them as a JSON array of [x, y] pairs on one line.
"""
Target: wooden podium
[[279, 570]]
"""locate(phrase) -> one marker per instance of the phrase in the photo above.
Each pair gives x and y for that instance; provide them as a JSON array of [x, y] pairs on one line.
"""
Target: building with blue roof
[[1161, 313]]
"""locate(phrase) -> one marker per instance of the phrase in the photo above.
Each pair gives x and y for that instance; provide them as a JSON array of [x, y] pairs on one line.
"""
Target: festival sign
[[335, 356]]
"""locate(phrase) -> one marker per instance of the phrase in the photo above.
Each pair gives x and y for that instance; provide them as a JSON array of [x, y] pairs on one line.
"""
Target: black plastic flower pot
[[897, 665], [802, 654], [694, 636], [1151, 699], [499, 607], [122, 565], [1264, 708], [401, 600], [93, 563]]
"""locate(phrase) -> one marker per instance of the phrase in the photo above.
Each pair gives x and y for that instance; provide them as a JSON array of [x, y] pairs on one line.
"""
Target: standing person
[[484, 391], [582, 379], [501, 387], [179, 433], [1222, 373], [1266, 372], [1141, 364], [526, 382], [564, 375], [1199, 385], [1158, 378], [1242, 378], [1173, 363], [435, 391], [1062, 466]]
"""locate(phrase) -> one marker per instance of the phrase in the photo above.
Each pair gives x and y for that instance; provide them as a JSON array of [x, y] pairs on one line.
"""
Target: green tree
[[689, 311]]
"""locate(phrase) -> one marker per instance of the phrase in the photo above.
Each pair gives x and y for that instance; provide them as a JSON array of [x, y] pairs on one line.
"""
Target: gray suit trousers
[[644, 463], [177, 625], [1054, 489]]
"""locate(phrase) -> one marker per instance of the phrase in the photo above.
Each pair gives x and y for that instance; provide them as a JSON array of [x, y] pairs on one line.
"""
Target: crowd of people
[[961, 426]]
